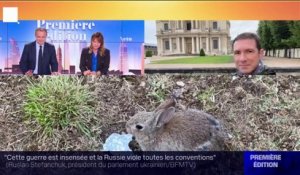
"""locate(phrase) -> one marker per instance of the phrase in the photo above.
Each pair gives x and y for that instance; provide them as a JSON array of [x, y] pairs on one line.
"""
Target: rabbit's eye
[[139, 127]]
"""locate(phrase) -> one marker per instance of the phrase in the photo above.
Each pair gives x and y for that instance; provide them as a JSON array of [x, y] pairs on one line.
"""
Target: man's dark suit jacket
[[28, 59], [86, 61]]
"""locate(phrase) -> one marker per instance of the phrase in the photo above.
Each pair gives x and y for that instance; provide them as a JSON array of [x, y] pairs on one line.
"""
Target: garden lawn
[[197, 60]]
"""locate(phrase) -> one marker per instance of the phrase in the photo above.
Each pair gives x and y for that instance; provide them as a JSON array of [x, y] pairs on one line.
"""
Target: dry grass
[[260, 113]]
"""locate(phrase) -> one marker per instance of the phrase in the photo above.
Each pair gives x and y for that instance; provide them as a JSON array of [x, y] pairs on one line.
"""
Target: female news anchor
[[95, 59]]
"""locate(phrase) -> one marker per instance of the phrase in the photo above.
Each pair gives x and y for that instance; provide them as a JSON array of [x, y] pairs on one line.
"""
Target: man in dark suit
[[39, 57]]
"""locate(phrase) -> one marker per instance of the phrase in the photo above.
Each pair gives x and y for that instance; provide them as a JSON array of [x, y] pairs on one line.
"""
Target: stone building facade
[[188, 37]]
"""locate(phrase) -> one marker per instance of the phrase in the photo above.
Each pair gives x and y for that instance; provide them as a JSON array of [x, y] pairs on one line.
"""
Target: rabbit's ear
[[166, 104], [164, 116]]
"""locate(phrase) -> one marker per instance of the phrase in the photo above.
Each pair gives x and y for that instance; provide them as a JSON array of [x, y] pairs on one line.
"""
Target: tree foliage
[[279, 35]]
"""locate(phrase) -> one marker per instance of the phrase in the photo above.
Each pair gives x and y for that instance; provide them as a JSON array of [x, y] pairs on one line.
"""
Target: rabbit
[[168, 130]]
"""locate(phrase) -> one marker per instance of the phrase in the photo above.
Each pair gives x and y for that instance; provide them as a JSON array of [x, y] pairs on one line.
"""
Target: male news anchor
[[39, 57]]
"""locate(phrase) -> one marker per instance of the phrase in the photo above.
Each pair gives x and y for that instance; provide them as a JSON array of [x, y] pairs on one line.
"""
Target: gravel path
[[269, 61]]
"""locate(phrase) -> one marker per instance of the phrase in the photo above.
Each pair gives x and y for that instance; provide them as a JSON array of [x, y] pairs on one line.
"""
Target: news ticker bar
[[248, 163], [155, 10]]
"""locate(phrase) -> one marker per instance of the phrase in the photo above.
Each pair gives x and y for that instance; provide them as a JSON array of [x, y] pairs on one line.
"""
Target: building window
[[215, 44], [215, 25], [179, 24], [167, 45], [195, 43], [166, 26], [204, 45], [172, 24], [174, 47], [203, 26], [188, 25], [180, 44]]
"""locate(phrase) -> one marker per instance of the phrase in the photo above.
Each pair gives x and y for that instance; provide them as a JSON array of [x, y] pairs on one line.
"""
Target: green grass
[[207, 97], [197, 60], [158, 88], [59, 102]]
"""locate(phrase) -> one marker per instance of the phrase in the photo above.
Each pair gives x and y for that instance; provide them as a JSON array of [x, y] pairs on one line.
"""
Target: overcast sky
[[236, 28]]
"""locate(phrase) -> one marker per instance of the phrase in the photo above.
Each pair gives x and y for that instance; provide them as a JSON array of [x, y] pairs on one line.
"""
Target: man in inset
[[248, 55], [39, 57]]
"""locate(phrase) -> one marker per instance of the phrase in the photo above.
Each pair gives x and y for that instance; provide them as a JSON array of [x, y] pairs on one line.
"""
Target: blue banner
[[221, 163], [272, 163]]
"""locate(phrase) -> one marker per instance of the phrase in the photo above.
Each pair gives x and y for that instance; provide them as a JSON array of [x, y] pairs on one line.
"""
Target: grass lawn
[[197, 60]]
